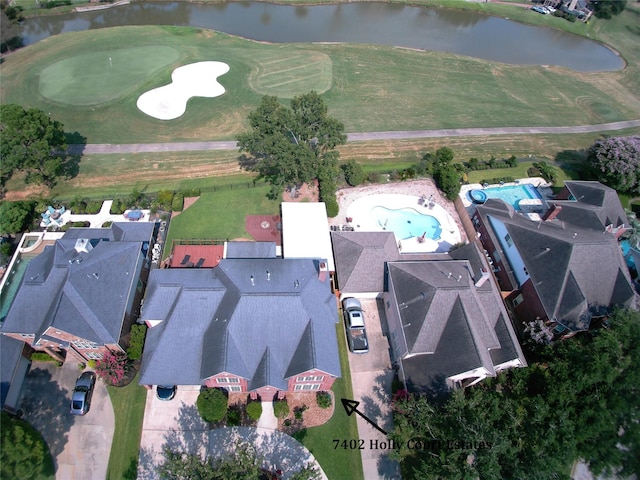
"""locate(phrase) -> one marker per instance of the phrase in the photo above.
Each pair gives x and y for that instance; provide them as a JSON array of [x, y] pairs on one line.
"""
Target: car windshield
[[77, 405]]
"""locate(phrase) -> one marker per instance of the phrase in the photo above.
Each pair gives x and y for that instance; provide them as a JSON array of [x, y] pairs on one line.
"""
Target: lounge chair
[[185, 260], [200, 262]]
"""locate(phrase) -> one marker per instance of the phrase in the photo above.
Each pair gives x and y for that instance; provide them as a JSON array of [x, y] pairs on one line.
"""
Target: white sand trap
[[194, 80]]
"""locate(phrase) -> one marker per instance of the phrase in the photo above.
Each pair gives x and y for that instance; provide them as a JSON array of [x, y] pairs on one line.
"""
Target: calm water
[[407, 223], [456, 31], [13, 282], [512, 194]]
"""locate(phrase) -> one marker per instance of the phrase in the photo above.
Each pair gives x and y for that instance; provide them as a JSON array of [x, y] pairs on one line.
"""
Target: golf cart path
[[354, 137]]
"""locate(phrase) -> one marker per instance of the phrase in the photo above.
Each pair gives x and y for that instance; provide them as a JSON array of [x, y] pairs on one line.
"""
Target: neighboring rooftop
[[305, 231]]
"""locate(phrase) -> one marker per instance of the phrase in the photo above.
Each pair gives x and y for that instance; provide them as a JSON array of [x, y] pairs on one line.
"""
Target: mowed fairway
[[369, 88]]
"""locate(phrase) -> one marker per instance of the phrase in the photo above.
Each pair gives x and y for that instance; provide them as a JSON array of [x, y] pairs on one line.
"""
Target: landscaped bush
[[498, 180], [190, 192], [548, 172], [212, 404], [280, 408], [298, 411], [323, 399], [374, 177], [353, 173], [177, 204], [136, 342], [43, 357], [165, 197], [93, 207], [234, 417], [254, 410], [119, 206], [332, 206], [112, 367]]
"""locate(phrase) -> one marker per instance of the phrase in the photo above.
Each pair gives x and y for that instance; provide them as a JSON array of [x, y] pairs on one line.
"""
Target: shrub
[[353, 173], [119, 206], [136, 343], [280, 408], [177, 204], [298, 411], [212, 404], [165, 197], [92, 364], [254, 410], [93, 207], [374, 177], [234, 418], [332, 206], [323, 399], [497, 180], [112, 367], [548, 172], [447, 179], [42, 357], [190, 192]]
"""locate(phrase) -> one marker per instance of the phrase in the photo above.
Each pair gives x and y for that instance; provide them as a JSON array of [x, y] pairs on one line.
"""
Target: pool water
[[513, 194], [406, 223], [11, 286]]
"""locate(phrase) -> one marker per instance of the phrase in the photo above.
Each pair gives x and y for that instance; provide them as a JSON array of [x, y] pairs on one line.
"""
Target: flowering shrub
[[617, 161], [112, 367]]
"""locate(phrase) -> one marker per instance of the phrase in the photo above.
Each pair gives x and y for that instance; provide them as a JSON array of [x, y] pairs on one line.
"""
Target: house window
[[234, 388], [84, 345], [507, 238], [27, 335], [310, 379], [228, 380], [307, 386], [94, 356], [518, 300]]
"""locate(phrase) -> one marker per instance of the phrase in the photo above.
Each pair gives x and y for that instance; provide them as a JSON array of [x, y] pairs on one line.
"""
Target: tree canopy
[[24, 454], [14, 216], [32, 142], [288, 146], [578, 400], [607, 8], [617, 162], [445, 174]]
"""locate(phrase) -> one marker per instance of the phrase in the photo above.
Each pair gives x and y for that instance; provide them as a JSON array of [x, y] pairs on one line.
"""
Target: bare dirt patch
[[312, 416], [306, 193]]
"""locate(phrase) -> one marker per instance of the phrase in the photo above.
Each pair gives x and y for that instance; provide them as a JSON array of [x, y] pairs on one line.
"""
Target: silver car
[[354, 324], [82, 393]]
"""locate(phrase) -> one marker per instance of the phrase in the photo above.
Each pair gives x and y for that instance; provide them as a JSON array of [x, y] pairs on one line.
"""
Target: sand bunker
[[194, 80]]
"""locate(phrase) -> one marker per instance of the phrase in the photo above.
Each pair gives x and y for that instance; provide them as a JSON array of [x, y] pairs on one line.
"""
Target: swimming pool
[[513, 194], [13, 282], [406, 223]]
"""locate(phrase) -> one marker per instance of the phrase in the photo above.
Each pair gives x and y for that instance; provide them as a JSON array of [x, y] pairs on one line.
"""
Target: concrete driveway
[[371, 376], [80, 446]]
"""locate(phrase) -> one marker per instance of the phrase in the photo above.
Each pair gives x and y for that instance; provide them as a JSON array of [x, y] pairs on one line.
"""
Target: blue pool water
[[406, 223], [513, 194], [13, 282]]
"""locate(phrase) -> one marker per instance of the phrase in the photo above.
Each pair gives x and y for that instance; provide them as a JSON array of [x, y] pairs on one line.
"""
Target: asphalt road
[[354, 137]]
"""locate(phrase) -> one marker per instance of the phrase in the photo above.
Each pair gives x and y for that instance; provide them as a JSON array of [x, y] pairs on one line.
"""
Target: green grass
[[338, 464], [372, 88], [128, 406], [221, 214], [93, 79], [519, 171]]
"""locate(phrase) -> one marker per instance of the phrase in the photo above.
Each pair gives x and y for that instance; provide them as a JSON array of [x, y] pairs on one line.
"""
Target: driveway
[[371, 376], [80, 446]]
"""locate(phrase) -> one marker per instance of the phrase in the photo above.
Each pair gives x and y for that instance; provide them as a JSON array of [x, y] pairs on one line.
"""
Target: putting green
[[100, 77], [287, 74]]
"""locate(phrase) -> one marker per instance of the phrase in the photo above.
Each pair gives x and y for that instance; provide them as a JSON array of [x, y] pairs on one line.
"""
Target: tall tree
[[579, 400], [607, 8], [291, 146], [15, 216], [23, 452], [617, 162], [33, 142]]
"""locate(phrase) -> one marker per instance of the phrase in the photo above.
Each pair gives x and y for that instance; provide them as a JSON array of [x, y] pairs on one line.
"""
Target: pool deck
[[357, 202], [543, 187]]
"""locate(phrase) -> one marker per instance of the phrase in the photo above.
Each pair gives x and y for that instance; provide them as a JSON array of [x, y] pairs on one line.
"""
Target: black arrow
[[352, 406]]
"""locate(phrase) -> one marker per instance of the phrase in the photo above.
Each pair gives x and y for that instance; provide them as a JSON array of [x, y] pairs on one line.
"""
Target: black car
[[82, 393], [354, 324], [166, 392]]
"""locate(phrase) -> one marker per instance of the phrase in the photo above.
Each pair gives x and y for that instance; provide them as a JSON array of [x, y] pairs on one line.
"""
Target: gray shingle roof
[[82, 293], [573, 269], [10, 353], [251, 250], [266, 330], [595, 206]]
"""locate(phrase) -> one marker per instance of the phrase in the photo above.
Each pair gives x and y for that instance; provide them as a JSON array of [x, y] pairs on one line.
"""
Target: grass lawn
[[337, 464], [369, 88], [128, 407], [519, 171], [221, 214]]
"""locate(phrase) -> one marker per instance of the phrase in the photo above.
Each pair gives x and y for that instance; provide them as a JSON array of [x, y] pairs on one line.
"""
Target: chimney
[[483, 278], [552, 213], [323, 270], [83, 245]]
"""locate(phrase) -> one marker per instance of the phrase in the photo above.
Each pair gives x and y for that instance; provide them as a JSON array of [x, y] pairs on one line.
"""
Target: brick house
[[77, 296], [564, 268], [265, 326]]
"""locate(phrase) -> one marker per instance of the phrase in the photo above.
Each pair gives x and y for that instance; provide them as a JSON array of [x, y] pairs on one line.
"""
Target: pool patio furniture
[[185, 260], [200, 263]]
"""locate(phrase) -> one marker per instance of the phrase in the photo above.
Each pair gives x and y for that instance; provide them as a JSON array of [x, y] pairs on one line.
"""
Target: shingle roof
[[82, 293], [451, 326], [251, 250], [574, 270], [596, 206], [265, 329], [10, 351]]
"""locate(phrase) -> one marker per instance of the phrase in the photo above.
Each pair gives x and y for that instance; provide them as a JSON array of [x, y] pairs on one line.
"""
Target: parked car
[[166, 392], [541, 10], [354, 325], [82, 393]]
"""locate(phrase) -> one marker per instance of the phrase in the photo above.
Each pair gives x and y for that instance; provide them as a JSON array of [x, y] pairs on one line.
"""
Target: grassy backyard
[[341, 463], [128, 406]]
